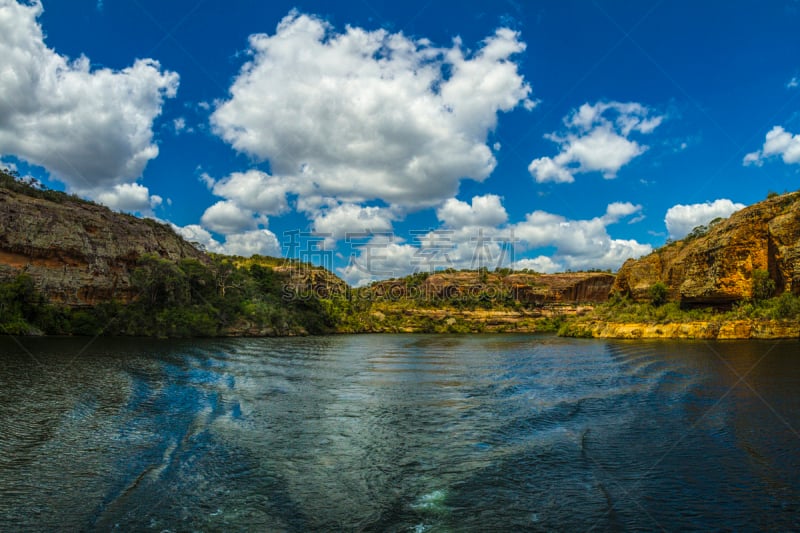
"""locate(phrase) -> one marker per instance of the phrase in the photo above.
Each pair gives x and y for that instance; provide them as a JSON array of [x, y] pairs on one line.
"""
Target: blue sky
[[584, 132]]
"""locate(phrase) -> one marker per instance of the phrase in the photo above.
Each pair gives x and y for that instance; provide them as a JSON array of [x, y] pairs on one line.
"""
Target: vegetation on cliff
[[70, 266], [183, 299], [97, 272], [471, 301], [719, 264], [623, 310], [732, 278]]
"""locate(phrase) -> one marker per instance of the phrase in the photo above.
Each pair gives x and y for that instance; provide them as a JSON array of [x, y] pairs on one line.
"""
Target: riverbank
[[700, 329]]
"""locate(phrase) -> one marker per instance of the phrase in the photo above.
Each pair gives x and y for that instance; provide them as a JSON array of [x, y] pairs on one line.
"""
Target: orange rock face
[[717, 268], [78, 253]]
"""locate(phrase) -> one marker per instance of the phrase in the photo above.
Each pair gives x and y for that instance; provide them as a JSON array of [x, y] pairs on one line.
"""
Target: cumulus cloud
[[619, 210], [131, 197], [384, 259], [342, 219], [248, 243], [681, 219], [596, 139], [260, 241], [778, 142], [91, 129], [581, 244], [542, 263], [227, 217], [196, 234], [253, 190], [484, 211], [362, 115]]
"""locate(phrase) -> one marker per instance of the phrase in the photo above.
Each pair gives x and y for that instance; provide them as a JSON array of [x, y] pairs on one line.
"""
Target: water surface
[[398, 433]]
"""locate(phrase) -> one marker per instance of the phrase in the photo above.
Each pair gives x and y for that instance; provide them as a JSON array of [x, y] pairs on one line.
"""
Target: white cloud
[[179, 124], [8, 165], [260, 241], [545, 169], [131, 197], [363, 115], [778, 142], [226, 217], [581, 244], [385, 259], [351, 218], [616, 252], [618, 210], [195, 233], [793, 83], [484, 211], [681, 219], [753, 158], [92, 129], [596, 139], [253, 190], [542, 264]]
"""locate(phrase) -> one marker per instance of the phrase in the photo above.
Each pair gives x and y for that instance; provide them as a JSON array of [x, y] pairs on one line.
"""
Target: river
[[398, 433]]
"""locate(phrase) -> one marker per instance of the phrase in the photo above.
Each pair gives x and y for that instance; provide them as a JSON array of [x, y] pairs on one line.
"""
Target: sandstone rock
[[528, 288], [736, 329], [79, 253], [717, 268]]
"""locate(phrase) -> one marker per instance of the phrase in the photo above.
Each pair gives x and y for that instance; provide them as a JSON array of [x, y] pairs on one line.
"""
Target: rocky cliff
[[715, 265], [79, 253], [526, 288]]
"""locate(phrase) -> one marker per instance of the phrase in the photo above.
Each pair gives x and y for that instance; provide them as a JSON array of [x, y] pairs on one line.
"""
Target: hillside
[[79, 253], [737, 278], [70, 266], [715, 264], [474, 301]]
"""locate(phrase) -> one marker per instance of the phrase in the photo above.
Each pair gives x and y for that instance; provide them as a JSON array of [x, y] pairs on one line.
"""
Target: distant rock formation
[[714, 267], [524, 287]]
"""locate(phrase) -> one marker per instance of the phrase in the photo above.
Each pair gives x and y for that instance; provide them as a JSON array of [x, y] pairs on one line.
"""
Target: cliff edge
[[79, 253], [714, 265]]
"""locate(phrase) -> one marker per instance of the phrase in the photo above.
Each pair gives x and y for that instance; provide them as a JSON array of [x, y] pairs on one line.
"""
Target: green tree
[[160, 282], [763, 285], [658, 294]]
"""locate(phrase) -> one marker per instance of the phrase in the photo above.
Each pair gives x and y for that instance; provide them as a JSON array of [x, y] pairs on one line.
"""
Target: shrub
[[658, 294], [763, 285]]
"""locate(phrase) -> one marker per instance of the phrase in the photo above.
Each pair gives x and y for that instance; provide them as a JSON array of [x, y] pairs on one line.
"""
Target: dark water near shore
[[399, 433]]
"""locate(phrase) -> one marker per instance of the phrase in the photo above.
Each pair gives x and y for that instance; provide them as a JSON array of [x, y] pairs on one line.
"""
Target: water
[[398, 433]]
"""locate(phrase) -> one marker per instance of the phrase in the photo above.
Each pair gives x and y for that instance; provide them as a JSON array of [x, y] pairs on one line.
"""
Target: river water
[[398, 433]]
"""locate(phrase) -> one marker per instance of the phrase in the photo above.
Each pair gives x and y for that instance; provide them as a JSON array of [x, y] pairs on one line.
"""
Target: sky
[[382, 138]]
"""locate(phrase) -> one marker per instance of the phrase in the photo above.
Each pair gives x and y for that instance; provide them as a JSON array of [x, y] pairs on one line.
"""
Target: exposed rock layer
[[79, 253], [527, 288], [717, 268], [727, 330]]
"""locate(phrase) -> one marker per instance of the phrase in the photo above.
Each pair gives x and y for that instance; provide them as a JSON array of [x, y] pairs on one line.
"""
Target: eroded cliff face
[[717, 268], [528, 288], [79, 253]]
